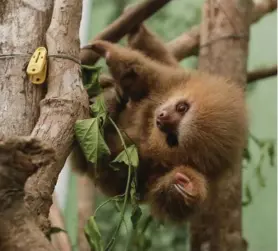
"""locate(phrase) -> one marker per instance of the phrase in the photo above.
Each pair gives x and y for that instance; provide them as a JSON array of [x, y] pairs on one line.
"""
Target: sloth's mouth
[[172, 139], [169, 129]]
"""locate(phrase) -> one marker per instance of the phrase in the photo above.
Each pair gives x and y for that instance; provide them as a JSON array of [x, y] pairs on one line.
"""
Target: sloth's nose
[[162, 119], [162, 114], [164, 123]]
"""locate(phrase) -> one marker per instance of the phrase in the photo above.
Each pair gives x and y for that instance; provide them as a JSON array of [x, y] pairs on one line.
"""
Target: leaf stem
[[112, 241], [135, 233], [105, 202]]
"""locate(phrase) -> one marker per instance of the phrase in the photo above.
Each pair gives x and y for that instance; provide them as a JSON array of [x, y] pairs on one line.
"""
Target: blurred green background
[[259, 176]]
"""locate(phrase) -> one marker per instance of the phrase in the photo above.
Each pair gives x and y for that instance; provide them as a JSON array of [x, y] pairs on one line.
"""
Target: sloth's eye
[[182, 107]]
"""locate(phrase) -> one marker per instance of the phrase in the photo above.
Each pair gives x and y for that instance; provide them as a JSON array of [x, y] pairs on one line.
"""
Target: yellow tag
[[40, 77], [37, 66]]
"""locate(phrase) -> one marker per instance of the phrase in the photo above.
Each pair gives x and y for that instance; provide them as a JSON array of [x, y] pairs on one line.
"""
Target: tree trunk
[[23, 26], [224, 51], [21, 33]]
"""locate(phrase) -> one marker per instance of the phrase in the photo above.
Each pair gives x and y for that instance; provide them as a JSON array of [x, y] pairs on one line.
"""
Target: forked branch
[[121, 26], [65, 102], [187, 44]]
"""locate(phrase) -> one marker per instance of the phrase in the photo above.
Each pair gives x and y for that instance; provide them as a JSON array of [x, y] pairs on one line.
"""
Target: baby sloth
[[189, 126]]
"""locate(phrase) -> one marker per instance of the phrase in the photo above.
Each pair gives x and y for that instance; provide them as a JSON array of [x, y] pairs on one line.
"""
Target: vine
[[89, 133]]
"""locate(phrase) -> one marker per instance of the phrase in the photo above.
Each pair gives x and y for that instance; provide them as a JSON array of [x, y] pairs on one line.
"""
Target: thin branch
[[252, 76], [262, 8], [187, 44], [85, 194], [262, 73], [121, 26], [60, 240]]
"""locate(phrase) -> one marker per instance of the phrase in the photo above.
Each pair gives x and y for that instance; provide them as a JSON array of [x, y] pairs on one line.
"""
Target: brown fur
[[164, 198], [211, 134], [147, 42]]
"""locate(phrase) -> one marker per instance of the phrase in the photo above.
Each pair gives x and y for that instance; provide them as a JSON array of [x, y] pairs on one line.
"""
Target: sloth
[[189, 126]]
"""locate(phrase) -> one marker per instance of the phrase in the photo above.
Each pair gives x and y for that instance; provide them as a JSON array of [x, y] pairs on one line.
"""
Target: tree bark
[[19, 158], [224, 51], [187, 44], [20, 34], [23, 25], [65, 102]]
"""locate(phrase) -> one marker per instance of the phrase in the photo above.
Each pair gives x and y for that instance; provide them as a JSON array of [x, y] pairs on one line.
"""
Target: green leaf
[[131, 154], [147, 244], [135, 216], [99, 105], [133, 194], [99, 109], [90, 77], [248, 196], [55, 230], [246, 154], [115, 167], [271, 153], [260, 177], [93, 235], [136, 210], [90, 139]]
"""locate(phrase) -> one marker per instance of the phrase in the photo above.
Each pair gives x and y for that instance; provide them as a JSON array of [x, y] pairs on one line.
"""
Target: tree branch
[[262, 73], [261, 8], [85, 195], [19, 158], [65, 102], [60, 240], [121, 26], [86, 191], [187, 44]]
